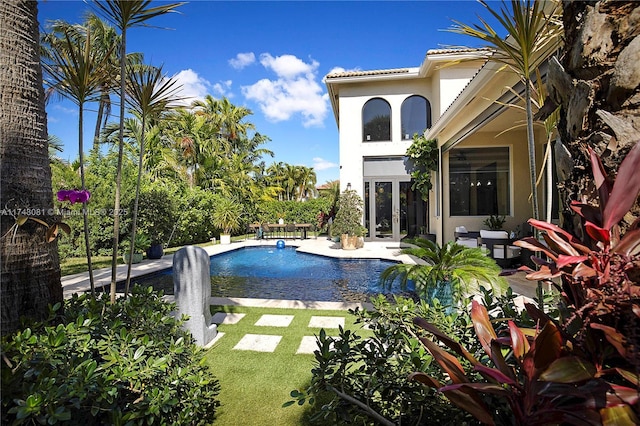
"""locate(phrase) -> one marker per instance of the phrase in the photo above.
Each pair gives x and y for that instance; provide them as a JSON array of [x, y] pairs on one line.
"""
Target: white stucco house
[[455, 96]]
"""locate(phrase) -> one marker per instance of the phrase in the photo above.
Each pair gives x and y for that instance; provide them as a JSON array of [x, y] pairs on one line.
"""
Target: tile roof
[[457, 50], [366, 73]]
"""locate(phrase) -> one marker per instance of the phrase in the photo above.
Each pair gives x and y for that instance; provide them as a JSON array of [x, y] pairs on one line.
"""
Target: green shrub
[[292, 211], [363, 379], [101, 363]]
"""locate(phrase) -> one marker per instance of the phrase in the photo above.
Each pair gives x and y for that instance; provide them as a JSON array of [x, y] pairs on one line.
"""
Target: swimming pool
[[273, 273]]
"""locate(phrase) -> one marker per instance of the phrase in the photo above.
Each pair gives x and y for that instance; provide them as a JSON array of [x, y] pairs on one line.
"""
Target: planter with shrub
[[348, 220]]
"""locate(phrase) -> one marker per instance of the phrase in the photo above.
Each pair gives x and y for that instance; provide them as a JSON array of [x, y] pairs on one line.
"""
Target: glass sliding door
[[384, 210], [393, 210]]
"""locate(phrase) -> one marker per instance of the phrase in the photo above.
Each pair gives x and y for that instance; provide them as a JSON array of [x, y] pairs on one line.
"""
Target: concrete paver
[[307, 345], [326, 322], [258, 342], [274, 320]]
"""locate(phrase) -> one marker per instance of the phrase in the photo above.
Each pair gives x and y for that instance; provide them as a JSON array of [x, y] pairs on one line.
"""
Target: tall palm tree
[[126, 14], [30, 271], [78, 72], [453, 268], [533, 34], [306, 182], [150, 93]]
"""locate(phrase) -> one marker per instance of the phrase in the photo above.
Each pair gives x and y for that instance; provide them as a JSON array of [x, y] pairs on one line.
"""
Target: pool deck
[[77, 283]]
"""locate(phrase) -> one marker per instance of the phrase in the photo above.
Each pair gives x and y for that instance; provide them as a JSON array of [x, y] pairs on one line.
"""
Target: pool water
[[284, 273]]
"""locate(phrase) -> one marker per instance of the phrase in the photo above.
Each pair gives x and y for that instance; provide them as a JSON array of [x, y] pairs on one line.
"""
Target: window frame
[[508, 191], [364, 107], [409, 136]]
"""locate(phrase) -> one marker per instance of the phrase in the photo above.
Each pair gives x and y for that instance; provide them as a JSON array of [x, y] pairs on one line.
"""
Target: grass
[[254, 385], [75, 265]]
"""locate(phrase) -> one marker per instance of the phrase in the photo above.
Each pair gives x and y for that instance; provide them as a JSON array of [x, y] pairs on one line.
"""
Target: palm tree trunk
[[85, 219], [599, 108], [116, 206], [134, 220], [30, 271], [531, 144]]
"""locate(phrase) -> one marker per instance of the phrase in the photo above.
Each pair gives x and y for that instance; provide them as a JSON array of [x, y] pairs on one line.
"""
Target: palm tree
[[126, 14], [150, 93], [532, 36], [30, 272], [451, 268], [306, 182], [78, 72]]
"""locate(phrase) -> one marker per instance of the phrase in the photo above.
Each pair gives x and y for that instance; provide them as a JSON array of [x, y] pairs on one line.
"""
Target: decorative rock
[[192, 291]]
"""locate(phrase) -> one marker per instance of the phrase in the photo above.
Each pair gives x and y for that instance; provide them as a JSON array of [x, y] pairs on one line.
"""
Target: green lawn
[[254, 385], [75, 265]]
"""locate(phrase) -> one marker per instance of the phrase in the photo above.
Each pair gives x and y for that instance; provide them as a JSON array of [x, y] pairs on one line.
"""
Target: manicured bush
[[101, 363], [292, 211], [361, 379]]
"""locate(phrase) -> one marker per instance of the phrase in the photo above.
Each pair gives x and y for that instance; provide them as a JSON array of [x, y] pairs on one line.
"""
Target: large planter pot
[[348, 242], [225, 239], [137, 257], [155, 251]]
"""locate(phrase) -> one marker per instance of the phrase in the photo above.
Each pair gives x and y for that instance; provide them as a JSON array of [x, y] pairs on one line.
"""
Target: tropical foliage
[[450, 271], [581, 367], [534, 32], [424, 158], [100, 363]]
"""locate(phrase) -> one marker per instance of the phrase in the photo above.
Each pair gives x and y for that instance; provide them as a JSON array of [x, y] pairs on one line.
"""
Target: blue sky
[[271, 57]]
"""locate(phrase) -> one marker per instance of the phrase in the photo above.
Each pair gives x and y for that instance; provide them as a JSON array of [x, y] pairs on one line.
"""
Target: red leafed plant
[[580, 368], [533, 370]]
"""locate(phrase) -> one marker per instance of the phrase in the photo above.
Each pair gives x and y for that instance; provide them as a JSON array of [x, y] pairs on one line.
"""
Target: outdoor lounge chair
[[466, 238], [499, 248]]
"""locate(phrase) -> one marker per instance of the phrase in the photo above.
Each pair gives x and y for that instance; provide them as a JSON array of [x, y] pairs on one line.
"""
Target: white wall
[[352, 148]]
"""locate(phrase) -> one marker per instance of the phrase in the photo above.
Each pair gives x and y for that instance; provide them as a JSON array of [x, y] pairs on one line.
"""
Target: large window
[[416, 116], [479, 181], [376, 120]]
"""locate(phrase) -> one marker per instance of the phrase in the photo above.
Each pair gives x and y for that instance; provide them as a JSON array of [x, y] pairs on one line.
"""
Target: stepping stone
[[326, 322], [309, 344], [258, 343], [225, 318], [275, 320]]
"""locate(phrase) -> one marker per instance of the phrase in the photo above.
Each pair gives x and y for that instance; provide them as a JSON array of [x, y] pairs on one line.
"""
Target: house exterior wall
[[352, 148], [520, 209]]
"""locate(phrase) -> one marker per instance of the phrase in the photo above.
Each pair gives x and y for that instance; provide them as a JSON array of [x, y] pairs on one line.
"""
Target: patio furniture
[[290, 229], [466, 238], [499, 248], [266, 230]]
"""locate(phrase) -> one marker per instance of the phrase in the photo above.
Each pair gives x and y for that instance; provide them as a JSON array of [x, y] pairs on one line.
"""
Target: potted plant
[[494, 222], [226, 217], [140, 244], [348, 220]]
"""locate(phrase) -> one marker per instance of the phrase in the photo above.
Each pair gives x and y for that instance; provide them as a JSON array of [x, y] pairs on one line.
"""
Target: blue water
[[272, 273]]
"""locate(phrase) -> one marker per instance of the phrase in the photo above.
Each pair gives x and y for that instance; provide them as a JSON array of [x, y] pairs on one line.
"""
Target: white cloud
[[222, 89], [193, 86], [294, 91], [242, 60], [322, 164]]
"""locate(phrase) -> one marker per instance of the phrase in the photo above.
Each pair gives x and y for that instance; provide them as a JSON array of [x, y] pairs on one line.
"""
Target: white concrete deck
[[321, 246]]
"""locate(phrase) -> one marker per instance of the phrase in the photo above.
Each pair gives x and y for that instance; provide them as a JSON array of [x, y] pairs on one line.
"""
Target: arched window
[[376, 120], [416, 116]]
